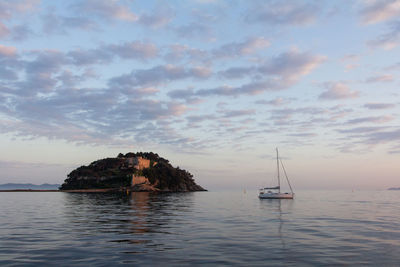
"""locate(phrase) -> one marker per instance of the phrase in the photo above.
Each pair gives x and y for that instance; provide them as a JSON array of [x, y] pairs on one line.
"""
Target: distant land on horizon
[[394, 188], [12, 186]]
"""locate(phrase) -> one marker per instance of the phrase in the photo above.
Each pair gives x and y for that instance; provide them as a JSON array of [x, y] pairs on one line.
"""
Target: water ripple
[[205, 228]]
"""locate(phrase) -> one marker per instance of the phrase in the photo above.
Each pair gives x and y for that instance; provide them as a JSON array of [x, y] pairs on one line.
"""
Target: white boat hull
[[271, 195]]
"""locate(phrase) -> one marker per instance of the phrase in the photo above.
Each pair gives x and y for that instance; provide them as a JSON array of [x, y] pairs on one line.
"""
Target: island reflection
[[137, 218]]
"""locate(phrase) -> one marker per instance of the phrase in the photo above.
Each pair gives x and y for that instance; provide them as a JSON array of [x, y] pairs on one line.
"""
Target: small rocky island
[[142, 171]]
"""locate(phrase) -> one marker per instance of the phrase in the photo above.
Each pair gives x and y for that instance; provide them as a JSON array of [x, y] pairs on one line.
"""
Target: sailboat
[[275, 192]]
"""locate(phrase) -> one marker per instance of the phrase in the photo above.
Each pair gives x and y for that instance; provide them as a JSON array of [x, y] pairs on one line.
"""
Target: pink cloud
[[4, 31], [338, 90], [7, 51]]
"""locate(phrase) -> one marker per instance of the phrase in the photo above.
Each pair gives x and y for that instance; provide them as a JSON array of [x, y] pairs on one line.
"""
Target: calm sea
[[202, 228]]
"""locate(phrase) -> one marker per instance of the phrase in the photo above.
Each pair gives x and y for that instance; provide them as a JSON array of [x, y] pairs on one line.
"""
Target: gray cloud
[[292, 65], [284, 70], [288, 13], [7, 74], [282, 116], [195, 30], [160, 17], [89, 57], [383, 137], [56, 24], [379, 105], [242, 48], [158, 74], [238, 113], [388, 40], [10, 9], [378, 11], [106, 10], [380, 78], [231, 50], [245, 89], [136, 50], [361, 130], [21, 32], [237, 72], [377, 119], [275, 102], [303, 134]]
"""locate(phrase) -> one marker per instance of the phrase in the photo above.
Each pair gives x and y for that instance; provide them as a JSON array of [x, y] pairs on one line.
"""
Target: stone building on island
[[139, 163]]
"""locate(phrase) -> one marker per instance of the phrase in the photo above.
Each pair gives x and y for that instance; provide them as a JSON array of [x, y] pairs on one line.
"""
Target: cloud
[[10, 9], [7, 74], [46, 61], [251, 88], [92, 116], [380, 78], [388, 40], [7, 51], [361, 130], [4, 31], [288, 13], [56, 24], [275, 102], [378, 11], [378, 119], [383, 137], [182, 93], [282, 116], [136, 49], [82, 57], [237, 72], [154, 109], [379, 105], [281, 72], [338, 112], [249, 46], [39, 72], [292, 65], [195, 30], [20, 32], [109, 9], [159, 74], [338, 90], [288, 67], [303, 134], [178, 52], [160, 17], [238, 113]]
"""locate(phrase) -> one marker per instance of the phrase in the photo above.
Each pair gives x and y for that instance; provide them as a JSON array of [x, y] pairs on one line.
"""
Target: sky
[[214, 86]]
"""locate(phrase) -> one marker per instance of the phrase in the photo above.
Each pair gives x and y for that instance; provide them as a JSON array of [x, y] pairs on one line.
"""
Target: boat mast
[[287, 179], [277, 164]]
